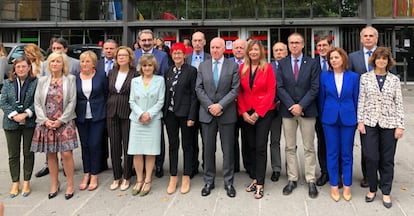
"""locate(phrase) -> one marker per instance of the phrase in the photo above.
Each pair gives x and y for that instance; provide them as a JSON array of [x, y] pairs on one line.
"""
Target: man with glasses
[[297, 89], [146, 42]]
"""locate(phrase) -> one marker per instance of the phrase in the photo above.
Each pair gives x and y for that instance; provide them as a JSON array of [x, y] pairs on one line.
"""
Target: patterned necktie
[[324, 65], [239, 62], [197, 61], [296, 69], [215, 73], [109, 65], [369, 53]]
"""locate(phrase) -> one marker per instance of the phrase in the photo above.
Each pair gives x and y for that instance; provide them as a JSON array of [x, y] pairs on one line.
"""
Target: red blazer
[[261, 97]]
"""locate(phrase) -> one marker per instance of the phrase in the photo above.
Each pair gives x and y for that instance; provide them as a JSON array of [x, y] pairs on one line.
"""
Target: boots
[[185, 184], [172, 185]]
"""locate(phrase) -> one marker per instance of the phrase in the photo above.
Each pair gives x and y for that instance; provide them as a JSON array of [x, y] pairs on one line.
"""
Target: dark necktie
[[296, 69], [369, 53]]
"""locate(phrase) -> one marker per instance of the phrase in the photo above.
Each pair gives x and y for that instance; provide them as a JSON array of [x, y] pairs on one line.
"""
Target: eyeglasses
[[279, 50], [123, 55]]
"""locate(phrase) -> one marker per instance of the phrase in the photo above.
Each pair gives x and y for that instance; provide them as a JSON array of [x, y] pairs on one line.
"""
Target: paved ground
[[105, 202]]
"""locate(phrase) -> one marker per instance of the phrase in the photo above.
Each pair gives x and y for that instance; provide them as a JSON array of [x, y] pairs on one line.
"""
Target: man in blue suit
[[297, 89], [146, 42]]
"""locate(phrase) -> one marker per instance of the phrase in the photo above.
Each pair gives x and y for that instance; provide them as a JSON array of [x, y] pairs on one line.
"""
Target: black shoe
[[53, 195], [313, 191], [231, 192], [387, 204], [159, 172], [193, 173], [207, 189], [275, 176], [323, 179], [236, 169], [42, 172], [370, 199], [289, 187], [364, 183], [68, 196]]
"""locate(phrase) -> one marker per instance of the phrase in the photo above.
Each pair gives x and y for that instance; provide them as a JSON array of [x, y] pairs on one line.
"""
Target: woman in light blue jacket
[[146, 101]]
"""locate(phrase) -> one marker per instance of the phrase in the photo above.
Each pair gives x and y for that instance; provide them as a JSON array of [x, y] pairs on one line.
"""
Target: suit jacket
[[185, 98], [9, 106], [385, 107], [97, 98], [262, 94], [100, 67], [357, 63], [333, 106], [304, 91], [74, 67], [161, 56], [189, 58], [117, 103], [225, 93], [69, 98], [149, 100]]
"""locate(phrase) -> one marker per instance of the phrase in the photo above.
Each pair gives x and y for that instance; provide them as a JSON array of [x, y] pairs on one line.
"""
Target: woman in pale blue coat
[[146, 101]]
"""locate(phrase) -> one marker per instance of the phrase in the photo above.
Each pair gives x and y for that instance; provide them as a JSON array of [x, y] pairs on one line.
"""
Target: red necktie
[[296, 69]]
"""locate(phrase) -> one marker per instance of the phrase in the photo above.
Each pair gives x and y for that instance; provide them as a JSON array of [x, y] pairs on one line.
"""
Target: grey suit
[[225, 95]]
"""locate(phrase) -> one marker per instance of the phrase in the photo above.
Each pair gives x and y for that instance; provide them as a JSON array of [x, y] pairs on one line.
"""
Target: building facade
[[94, 21]]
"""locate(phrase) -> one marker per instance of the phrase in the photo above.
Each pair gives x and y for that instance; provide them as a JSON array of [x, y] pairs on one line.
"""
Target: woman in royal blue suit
[[92, 92], [338, 100]]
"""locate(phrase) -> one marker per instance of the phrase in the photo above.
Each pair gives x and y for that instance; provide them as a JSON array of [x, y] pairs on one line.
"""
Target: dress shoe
[[289, 187], [323, 179], [275, 176], [172, 185], [14, 191], [137, 188], [207, 189], [313, 191], [26, 189], [159, 172], [54, 194], [364, 183], [370, 199], [42, 172], [69, 195], [185, 184], [125, 185], [387, 204], [94, 183], [231, 192], [146, 188]]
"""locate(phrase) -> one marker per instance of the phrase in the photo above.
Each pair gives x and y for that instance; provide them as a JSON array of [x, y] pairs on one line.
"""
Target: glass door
[[229, 36], [262, 35]]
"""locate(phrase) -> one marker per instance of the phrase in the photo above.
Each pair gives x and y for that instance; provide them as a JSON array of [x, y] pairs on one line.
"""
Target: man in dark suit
[[239, 51], [358, 62], [323, 45], [104, 66], [297, 89], [194, 59], [146, 42], [279, 52], [217, 87]]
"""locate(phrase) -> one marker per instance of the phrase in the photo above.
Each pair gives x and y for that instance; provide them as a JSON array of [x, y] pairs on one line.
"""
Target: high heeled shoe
[[335, 193], [172, 185], [347, 193], [125, 185], [85, 181], [14, 191], [26, 189], [69, 196], [115, 184], [93, 183], [137, 188], [54, 194], [144, 190]]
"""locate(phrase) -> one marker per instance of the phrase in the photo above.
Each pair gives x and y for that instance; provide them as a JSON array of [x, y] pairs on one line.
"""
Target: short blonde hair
[[59, 54], [145, 59], [89, 54]]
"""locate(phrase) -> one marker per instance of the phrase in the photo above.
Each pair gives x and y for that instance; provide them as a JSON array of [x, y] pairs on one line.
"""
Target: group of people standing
[[130, 96]]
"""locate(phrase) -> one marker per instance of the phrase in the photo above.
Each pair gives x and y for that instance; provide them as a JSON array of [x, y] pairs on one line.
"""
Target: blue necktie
[[216, 73], [324, 65], [369, 53], [109, 65]]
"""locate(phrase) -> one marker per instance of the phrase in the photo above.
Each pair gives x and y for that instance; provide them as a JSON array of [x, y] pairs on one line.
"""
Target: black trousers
[[159, 159], [118, 131], [173, 124], [256, 137], [321, 146], [379, 148]]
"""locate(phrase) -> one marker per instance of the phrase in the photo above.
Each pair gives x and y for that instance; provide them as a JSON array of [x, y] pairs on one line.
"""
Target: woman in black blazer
[[180, 111], [118, 111], [92, 91]]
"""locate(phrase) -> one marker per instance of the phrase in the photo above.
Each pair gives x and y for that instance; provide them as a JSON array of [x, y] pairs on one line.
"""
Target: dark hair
[[324, 37], [343, 55], [61, 41], [382, 52], [12, 74]]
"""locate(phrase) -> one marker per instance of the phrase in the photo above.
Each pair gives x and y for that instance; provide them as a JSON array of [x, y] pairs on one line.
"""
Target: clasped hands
[[296, 110], [251, 119], [53, 124], [20, 118], [145, 118], [215, 109]]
